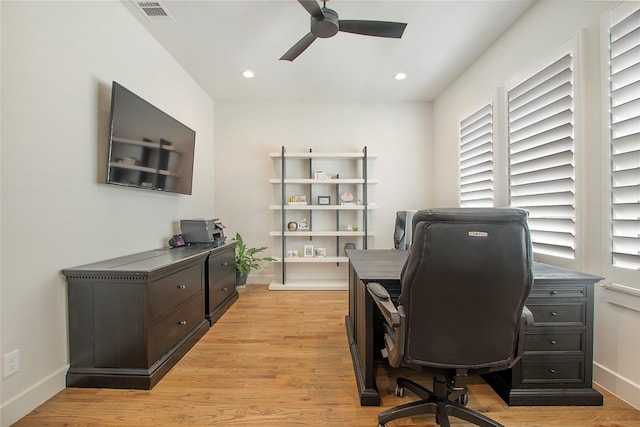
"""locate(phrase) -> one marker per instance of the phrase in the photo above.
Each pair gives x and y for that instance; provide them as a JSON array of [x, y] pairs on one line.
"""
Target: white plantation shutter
[[476, 159], [541, 156], [624, 77]]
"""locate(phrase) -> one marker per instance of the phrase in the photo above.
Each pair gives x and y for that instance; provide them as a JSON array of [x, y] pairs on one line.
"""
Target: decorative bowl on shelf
[[347, 199]]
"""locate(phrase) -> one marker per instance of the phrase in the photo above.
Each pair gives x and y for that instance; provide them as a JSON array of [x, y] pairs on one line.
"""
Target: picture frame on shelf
[[324, 200], [321, 175], [308, 250], [320, 252]]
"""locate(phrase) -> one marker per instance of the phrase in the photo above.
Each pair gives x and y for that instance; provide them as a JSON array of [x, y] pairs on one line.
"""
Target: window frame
[[572, 47], [627, 280], [477, 115]]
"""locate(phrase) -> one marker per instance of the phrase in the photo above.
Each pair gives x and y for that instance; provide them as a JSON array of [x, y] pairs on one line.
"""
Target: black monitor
[[148, 149]]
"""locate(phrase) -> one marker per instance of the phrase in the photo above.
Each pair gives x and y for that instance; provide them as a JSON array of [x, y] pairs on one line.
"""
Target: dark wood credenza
[[132, 318], [557, 365]]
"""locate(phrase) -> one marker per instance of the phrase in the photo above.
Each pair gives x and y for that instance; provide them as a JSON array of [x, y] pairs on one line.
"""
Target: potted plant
[[246, 259]]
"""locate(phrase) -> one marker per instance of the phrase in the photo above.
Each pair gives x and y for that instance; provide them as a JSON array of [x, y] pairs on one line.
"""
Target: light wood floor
[[282, 359]]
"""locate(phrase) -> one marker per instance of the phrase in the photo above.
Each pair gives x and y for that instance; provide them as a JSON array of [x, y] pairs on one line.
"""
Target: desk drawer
[[552, 371], [545, 341], [558, 291], [567, 313], [176, 325], [171, 291]]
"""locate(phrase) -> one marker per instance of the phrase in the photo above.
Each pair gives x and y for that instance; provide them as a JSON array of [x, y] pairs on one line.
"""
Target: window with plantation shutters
[[541, 156], [476, 159], [624, 78]]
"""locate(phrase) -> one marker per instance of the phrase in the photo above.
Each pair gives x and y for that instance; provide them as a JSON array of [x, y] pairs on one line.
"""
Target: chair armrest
[[382, 299], [528, 316], [394, 316], [526, 321]]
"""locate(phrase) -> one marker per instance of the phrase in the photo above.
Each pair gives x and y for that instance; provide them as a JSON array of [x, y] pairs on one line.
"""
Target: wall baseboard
[[623, 388], [259, 279], [19, 406]]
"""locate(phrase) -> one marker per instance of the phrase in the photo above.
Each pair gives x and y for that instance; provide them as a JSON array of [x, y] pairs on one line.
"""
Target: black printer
[[209, 232]]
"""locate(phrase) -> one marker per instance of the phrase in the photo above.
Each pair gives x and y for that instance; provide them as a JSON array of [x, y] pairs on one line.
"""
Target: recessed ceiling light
[[248, 74], [400, 76]]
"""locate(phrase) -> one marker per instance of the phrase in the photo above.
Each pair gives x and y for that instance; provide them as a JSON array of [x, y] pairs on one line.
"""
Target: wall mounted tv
[[148, 148]]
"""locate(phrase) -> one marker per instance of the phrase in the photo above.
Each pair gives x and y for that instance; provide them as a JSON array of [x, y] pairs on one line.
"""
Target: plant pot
[[241, 279]]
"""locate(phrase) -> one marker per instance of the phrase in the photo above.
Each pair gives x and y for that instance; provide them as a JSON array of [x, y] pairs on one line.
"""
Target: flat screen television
[[148, 148]]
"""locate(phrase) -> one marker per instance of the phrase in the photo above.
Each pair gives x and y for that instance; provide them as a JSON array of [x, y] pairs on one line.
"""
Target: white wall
[[58, 61], [246, 132], [542, 31]]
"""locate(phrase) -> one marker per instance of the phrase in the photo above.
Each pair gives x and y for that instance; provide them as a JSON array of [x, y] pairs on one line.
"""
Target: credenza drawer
[[175, 326], [553, 371], [221, 264], [221, 289], [171, 291], [567, 313], [554, 341]]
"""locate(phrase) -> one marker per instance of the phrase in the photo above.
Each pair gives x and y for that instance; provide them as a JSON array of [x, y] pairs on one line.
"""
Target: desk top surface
[[377, 264], [386, 264]]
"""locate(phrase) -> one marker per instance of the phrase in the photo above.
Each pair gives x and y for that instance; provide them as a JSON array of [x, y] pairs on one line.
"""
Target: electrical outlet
[[11, 363]]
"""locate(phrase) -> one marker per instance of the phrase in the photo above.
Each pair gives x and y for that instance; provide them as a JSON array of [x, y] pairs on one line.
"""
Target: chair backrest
[[464, 286], [402, 233]]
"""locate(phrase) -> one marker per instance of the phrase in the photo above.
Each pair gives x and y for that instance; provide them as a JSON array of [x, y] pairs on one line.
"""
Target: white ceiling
[[215, 40]]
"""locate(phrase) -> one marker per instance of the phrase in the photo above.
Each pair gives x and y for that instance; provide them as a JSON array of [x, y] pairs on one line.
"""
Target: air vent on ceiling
[[154, 11]]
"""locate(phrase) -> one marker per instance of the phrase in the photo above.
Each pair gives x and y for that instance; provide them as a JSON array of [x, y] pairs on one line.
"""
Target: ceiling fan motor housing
[[325, 27]]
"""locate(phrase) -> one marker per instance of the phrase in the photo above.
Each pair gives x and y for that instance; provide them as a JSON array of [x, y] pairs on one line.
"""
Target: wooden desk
[[556, 368], [368, 265]]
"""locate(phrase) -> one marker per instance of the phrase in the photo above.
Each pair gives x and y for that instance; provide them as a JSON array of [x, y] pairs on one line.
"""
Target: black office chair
[[402, 233], [461, 310]]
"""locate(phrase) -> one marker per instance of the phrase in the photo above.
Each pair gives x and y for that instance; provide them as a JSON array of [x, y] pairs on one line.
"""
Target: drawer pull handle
[[553, 342], [182, 322], [553, 313], [554, 292], [225, 264], [224, 289], [182, 287], [551, 370]]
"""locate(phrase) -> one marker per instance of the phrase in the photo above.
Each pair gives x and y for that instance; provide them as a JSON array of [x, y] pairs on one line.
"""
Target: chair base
[[437, 402]]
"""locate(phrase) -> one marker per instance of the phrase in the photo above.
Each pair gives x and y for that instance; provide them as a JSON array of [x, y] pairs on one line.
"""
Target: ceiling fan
[[325, 23]]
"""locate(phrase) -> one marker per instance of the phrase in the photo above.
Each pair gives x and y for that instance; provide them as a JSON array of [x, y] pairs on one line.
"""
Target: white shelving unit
[[330, 224]]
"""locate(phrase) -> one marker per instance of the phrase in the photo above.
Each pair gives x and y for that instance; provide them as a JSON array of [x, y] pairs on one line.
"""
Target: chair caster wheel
[[382, 425], [399, 391], [464, 399]]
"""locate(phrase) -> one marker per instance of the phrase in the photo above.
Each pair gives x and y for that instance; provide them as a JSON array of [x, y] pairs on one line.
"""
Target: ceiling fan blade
[[373, 28], [299, 47], [312, 7]]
